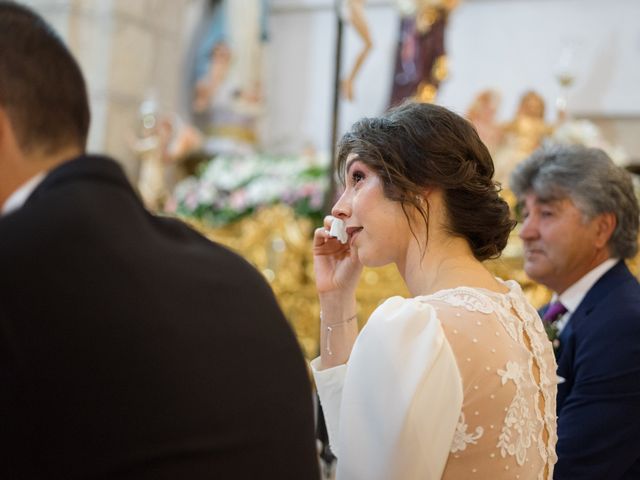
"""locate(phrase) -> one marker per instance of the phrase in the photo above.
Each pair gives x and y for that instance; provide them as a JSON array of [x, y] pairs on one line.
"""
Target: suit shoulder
[[210, 254], [615, 318], [184, 233], [624, 300]]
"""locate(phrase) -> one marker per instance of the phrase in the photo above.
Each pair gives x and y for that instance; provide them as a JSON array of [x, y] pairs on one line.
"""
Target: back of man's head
[[591, 180], [42, 90]]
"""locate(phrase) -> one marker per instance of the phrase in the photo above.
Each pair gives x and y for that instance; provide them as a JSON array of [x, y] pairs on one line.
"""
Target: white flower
[[586, 133], [206, 193], [243, 183], [185, 187]]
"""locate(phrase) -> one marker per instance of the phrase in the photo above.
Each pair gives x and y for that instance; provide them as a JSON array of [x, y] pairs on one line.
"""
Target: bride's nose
[[342, 208]]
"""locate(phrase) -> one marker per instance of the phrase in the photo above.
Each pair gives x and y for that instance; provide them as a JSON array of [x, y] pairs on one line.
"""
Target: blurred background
[[134, 51], [224, 112]]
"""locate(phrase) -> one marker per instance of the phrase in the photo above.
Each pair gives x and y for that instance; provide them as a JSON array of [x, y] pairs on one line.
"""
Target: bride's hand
[[336, 265]]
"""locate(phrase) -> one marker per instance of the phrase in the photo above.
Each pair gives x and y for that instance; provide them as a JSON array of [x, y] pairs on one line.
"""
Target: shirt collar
[[573, 295], [18, 198]]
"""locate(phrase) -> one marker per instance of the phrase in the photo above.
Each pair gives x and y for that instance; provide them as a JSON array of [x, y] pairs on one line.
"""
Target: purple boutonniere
[[550, 321]]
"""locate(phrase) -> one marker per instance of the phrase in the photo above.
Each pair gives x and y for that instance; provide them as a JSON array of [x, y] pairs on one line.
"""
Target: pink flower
[[170, 206], [237, 200]]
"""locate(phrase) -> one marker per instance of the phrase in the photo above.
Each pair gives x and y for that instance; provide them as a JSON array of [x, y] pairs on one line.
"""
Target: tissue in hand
[[339, 231]]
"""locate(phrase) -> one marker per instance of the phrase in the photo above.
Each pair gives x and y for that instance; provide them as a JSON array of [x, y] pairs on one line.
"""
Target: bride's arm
[[338, 327], [393, 411], [337, 271]]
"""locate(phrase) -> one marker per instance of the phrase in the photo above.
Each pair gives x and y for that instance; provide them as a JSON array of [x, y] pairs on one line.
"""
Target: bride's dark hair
[[419, 145]]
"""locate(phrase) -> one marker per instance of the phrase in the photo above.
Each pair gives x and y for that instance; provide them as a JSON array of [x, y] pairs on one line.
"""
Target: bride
[[457, 381]]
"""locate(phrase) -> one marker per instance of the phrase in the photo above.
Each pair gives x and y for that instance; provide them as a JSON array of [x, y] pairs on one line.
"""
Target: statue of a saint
[[482, 113], [355, 12], [522, 135]]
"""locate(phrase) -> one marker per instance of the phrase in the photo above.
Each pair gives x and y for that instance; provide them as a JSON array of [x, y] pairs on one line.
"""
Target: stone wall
[[129, 50]]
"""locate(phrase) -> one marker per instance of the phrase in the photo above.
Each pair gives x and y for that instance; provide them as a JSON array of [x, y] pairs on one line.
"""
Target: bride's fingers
[[328, 220], [325, 244], [320, 236]]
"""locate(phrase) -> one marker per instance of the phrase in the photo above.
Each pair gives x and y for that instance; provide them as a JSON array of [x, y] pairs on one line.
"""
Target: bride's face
[[377, 226]]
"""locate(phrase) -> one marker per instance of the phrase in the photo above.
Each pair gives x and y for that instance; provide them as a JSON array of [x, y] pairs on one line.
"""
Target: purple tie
[[555, 311]]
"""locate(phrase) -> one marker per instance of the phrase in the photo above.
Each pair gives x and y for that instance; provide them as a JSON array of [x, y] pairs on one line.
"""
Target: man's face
[[560, 245]]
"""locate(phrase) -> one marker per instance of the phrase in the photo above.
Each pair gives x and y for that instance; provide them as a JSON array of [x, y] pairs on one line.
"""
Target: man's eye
[[546, 213]]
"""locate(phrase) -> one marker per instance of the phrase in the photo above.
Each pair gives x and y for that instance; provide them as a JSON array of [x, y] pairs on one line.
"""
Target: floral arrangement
[[228, 188]]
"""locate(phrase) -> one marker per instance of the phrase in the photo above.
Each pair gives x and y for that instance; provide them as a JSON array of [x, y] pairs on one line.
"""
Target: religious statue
[[528, 128], [226, 100], [355, 12], [151, 147], [421, 63], [522, 135], [482, 113]]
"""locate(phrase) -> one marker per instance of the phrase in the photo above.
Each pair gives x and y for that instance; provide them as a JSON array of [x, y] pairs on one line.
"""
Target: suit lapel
[[611, 280], [565, 355]]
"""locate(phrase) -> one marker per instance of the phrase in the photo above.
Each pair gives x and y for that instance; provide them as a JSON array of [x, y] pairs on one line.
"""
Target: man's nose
[[529, 228]]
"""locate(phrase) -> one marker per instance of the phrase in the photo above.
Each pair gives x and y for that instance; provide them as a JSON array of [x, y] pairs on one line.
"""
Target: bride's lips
[[353, 232]]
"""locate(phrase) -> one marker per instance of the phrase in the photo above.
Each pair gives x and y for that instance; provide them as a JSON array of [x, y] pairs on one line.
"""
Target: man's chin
[[534, 271]]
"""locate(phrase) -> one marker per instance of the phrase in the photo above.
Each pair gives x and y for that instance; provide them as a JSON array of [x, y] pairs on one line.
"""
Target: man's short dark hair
[[41, 86]]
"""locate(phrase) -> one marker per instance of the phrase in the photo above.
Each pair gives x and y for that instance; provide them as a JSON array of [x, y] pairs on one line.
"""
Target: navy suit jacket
[[131, 347], [599, 401]]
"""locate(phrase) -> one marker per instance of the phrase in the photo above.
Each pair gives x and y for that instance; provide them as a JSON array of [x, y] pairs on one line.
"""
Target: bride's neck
[[445, 264]]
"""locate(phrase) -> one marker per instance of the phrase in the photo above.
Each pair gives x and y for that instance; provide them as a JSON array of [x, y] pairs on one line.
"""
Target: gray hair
[[591, 180]]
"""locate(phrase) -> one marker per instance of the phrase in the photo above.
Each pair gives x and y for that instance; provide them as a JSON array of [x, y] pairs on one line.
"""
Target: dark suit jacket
[[599, 402], [133, 348]]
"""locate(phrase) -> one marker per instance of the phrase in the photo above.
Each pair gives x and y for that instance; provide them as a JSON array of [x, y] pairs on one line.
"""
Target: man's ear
[[4, 119], [605, 225], [8, 140], [7, 132], [5, 127]]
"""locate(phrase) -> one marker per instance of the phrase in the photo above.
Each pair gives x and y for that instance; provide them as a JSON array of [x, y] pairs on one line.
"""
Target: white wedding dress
[[459, 384]]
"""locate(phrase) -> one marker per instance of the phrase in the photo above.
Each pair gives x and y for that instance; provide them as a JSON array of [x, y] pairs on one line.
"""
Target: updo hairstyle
[[420, 145]]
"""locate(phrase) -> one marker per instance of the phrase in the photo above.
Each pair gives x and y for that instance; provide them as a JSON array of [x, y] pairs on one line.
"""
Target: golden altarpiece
[[278, 243]]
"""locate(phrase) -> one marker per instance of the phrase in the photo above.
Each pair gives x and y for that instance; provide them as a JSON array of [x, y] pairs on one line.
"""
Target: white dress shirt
[[17, 199], [573, 296]]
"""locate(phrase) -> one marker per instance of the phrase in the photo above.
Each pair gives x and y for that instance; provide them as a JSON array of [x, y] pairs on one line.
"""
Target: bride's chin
[[371, 261]]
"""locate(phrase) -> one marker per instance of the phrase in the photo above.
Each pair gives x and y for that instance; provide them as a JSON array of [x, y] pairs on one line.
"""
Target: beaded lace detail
[[518, 430], [462, 438], [508, 375]]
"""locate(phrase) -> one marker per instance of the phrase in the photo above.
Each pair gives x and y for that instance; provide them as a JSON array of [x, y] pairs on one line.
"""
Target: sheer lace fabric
[[460, 384], [507, 426]]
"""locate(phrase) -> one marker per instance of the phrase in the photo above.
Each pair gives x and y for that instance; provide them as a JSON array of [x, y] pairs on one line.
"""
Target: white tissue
[[338, 230]]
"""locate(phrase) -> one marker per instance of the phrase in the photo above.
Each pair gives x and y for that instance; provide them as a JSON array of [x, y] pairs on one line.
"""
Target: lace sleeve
[[401, 396]]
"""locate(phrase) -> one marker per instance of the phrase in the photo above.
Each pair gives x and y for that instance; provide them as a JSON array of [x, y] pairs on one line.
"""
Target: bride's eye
[[357, 176]]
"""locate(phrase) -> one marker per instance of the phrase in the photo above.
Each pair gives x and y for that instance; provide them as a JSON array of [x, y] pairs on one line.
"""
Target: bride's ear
[[425, 194]]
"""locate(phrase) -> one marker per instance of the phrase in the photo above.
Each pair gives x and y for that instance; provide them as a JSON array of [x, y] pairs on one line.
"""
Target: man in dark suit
[[130, 346], [580, 221]]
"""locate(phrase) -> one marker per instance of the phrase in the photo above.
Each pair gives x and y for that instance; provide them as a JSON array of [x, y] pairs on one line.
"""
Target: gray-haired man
[[580, 221]]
